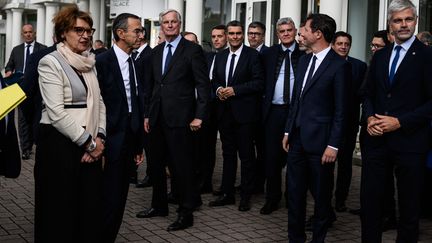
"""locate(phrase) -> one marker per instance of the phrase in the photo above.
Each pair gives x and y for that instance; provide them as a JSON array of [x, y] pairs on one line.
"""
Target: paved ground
[[225, 224]]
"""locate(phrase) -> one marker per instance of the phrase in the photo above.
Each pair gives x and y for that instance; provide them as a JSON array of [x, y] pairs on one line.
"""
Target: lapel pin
[[413, 53]]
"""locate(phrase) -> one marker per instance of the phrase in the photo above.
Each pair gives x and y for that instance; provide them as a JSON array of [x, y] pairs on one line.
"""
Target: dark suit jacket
[[16, 59], [247, 82], [263, 48], [322, 103], [409, 98], [173, 93], [354, 99], [114, 95], [270, 59], [142, 63], [10, 161]]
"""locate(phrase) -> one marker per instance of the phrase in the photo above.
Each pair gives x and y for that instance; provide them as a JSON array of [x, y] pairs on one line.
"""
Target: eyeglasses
[[80, 31], [254, 33], [375, 46], [136, 31]]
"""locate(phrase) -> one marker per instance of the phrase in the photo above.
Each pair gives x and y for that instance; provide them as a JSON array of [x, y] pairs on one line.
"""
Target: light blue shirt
[[279, 87], [174, 45], [403, 51]]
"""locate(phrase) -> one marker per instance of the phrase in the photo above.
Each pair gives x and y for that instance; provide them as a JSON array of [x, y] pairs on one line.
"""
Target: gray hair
[[163, 13], [399, 5], [285, 20]]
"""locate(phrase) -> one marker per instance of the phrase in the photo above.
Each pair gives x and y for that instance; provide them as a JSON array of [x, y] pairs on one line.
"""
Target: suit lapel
[[178, 52], [240, 63], [406, 61], [222, 65], [158, 53], [322, 67], [118, 78]]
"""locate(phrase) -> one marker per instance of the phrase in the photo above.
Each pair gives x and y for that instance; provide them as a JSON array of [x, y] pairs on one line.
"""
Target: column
[[8, 36], [194, 16], [291, 9], [94, 10], [102, 24], [178, 5], [40, 25], [50, 10], [83, 5], [17, 26], [382, 20], [333, 8]]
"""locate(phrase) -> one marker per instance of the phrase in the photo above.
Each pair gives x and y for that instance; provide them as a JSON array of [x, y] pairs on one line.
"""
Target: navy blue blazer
[[270, 59], [247, 82], [114, 95], [322, 105], [409, 98], [359, 69]]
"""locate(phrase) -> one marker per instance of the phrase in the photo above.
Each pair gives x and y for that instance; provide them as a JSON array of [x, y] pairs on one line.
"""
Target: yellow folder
[[10, 98]]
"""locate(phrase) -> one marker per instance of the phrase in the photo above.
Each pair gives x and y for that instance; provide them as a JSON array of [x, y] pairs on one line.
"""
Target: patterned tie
[[394, 63], [231, 69], [168, 58]]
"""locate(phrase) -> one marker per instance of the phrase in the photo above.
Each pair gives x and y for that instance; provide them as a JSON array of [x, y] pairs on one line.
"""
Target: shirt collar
[[31, 44], [407, 44], [238, 51], [259, 47], [291, 47], [141, 48], [322, 54], [122, 56], [175, 42]]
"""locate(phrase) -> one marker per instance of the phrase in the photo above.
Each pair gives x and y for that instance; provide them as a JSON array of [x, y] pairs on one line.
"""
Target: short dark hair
[[235, 23], [341, 34], [121, 22], [383, 35], [257, 24], [219, 27], [323, 23]]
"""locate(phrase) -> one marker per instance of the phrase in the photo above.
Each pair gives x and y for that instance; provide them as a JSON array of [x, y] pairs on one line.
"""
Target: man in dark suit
[[18, 61], [173, 113], [238, 83], [256, 36], [341, 44], [280, 64], [315, 128], [10, 162], [120, 91], [397, 106]]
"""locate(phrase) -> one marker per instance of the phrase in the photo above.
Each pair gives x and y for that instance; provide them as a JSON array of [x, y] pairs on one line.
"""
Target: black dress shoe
[[182, 222], [151, 212], [222, 201], [172, 199], [340, 207], [146, 182], [269, 207], [244, 205], [355, 211], [389, 223]]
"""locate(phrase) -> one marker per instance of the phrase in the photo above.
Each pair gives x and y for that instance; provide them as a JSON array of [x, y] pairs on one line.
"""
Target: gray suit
[[16, 59]]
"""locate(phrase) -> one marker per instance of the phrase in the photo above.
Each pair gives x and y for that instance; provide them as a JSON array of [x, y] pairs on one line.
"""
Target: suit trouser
[[305, 169], [177, 144], [116, 186], [25, 131], [275, 156], [237, 137], [409, 171]]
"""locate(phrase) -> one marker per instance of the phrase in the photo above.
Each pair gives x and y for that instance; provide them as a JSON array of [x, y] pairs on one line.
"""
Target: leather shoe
[[244, 205], [151, 212], [222, 201], [340, 207], [182, 222], [269, 207], [144, 182]]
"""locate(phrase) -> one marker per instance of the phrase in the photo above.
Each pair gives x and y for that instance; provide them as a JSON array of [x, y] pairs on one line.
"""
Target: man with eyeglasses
[[397, 109], [121, 92], [238, 84], [18, 61], [280, 64], [379, 41], [256, 36]]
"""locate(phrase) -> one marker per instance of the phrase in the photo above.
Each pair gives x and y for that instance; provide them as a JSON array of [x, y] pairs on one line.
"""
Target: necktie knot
[[398, 48]]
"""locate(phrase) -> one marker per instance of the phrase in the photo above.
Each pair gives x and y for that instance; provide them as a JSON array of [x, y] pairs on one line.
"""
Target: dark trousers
[[25, 131], [235, 138], [176, 144], [344, 166], [260, 172], [116, 187], [409, 171], [67, 192], [305, 169], [275, 156]]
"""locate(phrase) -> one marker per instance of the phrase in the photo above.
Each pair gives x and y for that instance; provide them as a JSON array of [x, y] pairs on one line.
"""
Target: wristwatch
[[91, 146]]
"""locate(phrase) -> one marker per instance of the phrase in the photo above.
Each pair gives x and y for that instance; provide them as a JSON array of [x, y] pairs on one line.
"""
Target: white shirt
[[122, 58], [227, 67], [174, 45], [405, 46], [140, 49], [320, 57], [279, 87], [259, 47]]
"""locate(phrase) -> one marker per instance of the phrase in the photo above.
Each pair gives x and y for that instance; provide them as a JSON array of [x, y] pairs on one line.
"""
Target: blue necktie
[[168, 58], [394, 63], [231, 69]]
